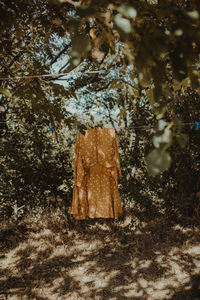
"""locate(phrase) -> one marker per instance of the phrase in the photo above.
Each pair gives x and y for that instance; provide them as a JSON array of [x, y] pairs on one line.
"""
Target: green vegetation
[[147, 53]]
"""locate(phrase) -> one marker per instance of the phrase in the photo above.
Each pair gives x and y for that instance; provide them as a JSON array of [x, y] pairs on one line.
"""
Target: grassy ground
[[42, 258]]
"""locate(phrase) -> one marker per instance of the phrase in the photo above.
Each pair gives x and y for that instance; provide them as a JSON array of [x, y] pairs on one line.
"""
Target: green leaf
[[145, 77], [73, 63], [5, 92], [116, 85], [80, 45], [161, 125], [159, 109], [166, 92], [161, 139], [122, 113], [184, 84], [134, 107], [193, 14], [122, 23], [127, 11], [150, 96], [178, 123], [157, 162], [182, 140], [91, 118]]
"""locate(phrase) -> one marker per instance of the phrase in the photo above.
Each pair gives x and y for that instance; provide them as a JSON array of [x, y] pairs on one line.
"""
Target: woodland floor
[[42, 258]]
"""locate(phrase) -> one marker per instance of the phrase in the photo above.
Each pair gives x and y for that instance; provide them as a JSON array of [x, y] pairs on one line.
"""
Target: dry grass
[[95, 259]]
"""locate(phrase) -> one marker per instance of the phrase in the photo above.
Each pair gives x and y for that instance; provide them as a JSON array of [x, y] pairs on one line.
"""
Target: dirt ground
[[43, 258]]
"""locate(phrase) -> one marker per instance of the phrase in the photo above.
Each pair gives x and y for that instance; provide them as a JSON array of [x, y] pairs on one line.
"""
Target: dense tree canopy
[[140, 57]]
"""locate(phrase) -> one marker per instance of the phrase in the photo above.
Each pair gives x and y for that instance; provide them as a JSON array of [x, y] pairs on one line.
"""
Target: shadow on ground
[[129, 258]]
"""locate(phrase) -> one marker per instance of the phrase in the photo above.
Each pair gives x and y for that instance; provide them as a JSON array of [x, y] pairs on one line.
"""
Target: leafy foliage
[[147, 56]]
